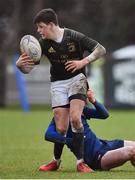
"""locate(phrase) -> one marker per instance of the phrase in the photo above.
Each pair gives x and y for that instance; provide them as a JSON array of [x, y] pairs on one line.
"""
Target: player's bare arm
[[25, 63], [74, 65]]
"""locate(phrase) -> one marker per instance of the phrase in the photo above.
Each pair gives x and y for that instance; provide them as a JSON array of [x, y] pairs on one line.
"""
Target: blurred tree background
[[110, 22]]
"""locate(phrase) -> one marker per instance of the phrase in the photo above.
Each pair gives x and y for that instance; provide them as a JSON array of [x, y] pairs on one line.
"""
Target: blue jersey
[[94, 148]]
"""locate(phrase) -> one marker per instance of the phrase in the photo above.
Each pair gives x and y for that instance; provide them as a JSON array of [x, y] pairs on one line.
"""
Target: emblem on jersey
[[71, 47], [51, 50]]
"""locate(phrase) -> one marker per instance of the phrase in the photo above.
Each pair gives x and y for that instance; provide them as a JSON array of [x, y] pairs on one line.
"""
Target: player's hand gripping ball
[[30, 45]]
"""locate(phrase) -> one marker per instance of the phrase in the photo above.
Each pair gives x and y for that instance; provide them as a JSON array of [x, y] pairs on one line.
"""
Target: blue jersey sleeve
[[52, 135], [99, 112]]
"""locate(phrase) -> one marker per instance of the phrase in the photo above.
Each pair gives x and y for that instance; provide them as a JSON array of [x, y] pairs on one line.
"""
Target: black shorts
[[107, 146]]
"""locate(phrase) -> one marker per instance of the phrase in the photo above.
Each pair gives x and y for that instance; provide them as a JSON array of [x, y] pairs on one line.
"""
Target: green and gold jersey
[[72, 47]]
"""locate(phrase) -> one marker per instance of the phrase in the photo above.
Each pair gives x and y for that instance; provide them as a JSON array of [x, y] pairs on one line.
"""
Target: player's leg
[[77, 99], [76, 107], [131, 143], [60, 107], [62, 122], [61, 116], [115, 158]]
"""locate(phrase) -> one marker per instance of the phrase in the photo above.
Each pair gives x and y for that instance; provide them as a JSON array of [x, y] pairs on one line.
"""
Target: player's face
[[45, 30]]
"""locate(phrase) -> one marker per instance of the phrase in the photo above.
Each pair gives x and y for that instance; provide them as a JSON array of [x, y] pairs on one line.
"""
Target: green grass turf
[[23, 149]]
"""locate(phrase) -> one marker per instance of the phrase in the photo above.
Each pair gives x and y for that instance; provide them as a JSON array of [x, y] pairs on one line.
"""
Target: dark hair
[[46, 16]]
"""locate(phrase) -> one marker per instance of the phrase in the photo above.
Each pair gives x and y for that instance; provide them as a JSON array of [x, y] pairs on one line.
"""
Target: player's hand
[[91, 96], [74, 65], [24, 61]]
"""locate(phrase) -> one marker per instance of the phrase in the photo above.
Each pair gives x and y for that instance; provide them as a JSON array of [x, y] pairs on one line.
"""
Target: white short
[[61, 91]]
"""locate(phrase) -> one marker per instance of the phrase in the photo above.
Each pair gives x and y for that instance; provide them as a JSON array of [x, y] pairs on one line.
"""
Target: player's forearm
[[99, 112], [52, 135], [96, 54], [102, 112], [55, 137], [24, 69]]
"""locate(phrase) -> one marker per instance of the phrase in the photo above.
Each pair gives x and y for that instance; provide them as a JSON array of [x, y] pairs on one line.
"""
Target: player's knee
[[61, 129], [132, 152], [76, 124], [74, 117], [57, 114], [77, 130], [75, 121], [132, 159], [61, 122]]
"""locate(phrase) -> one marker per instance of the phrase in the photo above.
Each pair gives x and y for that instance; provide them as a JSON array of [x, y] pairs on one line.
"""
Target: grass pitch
[[23, 149]]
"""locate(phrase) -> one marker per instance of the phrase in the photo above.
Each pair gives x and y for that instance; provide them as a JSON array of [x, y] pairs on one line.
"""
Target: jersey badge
[[51, 50], [71, 47]]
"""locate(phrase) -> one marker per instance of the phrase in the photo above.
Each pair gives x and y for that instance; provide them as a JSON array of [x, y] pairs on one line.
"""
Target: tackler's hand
[[91, 95]]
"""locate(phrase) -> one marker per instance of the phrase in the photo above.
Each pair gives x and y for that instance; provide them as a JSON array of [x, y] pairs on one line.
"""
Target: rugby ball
[[30, 45]]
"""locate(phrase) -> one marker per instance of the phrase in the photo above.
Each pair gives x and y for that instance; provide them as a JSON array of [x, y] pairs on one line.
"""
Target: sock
[[79, 161], [78, 145], [58, 147]]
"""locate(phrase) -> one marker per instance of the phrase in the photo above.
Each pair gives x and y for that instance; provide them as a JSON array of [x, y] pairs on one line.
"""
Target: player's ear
[[51, 24], [87, 101]]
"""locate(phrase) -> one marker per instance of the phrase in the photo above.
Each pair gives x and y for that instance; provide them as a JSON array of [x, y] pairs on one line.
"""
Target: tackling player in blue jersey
[[99, 154]]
